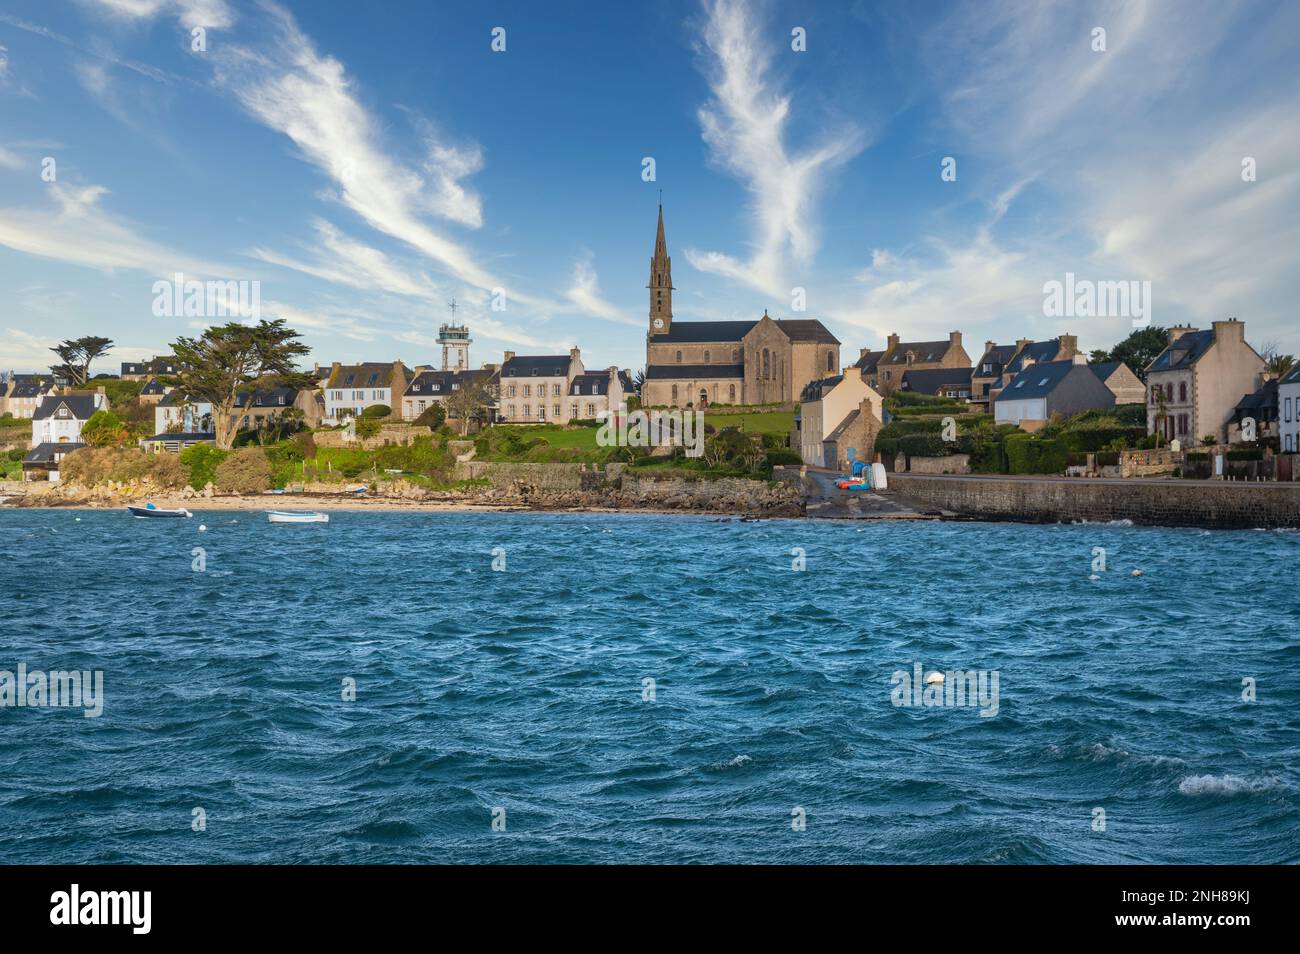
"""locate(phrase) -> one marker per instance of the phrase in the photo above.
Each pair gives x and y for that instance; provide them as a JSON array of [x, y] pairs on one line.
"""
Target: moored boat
[[149, 510], [299, 516]]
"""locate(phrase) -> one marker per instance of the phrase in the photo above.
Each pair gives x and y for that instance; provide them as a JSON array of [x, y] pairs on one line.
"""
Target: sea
[[421, 687]]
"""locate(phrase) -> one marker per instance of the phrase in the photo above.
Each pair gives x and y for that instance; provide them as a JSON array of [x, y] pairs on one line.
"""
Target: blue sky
[[366, 163]]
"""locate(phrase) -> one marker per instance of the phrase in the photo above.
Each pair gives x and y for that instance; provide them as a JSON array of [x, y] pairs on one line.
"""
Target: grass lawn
[[761, 422], [583, 438]]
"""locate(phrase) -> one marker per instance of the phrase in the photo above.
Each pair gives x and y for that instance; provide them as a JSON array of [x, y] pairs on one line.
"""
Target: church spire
[[661, 282]]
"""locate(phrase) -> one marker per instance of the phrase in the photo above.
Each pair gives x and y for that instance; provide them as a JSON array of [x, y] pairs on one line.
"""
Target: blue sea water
[[522, 690]]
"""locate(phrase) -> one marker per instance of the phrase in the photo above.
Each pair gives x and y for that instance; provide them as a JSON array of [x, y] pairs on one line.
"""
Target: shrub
[[924, 445], [433, 416], [377, 410], [202, 460], [779, 456], [104, 429], [1027, 454], [245, 471], [98, 465], [367, 426]]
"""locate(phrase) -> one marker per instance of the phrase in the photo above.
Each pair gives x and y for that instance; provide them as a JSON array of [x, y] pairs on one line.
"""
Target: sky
[[366, 163]]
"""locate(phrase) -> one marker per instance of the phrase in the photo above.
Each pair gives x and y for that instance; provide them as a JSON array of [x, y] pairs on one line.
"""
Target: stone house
[[1195, 383], [1123, 383], [856, 435], [21, 394], [594, 394], [430, 387], [824, 406], [884, 370], [535, 388], [987, 370], [143, 370]]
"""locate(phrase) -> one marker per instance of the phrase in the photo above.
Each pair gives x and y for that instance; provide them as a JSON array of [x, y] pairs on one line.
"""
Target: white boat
[[297, 516]]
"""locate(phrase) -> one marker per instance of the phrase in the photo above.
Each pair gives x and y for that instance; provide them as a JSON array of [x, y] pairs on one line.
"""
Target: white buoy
[[1094, 577], [1137, 573], [934, 679], [203, 526]]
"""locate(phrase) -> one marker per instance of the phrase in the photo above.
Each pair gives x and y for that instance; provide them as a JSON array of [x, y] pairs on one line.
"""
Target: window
[[510, 410], [674, 394], [1288, 409], [830, 360], [679, 357], [1020, 383], [1043, 383], [556, 410], [591, 410], [555, 390], [735, 356], [510, 391], [767, 364], [528, 410], [528, 390], [706, 355], [1182, 391], [1288, 443], [541, 412], [731, 394], [573, 410]]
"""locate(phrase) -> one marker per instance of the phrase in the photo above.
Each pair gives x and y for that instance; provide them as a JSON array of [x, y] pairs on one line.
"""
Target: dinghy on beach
[[300, 516], [149, 510]]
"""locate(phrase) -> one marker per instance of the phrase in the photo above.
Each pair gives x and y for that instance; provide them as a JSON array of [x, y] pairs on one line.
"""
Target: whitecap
[[1224, 784]]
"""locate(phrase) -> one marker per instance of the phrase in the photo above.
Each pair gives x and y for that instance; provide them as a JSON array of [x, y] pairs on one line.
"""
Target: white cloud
[[745, 126], [584, 294], [346, 261], [215, 14], [293, 89]]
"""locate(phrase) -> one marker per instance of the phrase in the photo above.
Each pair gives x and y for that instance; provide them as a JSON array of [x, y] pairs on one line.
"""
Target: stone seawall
[[1169, 503]]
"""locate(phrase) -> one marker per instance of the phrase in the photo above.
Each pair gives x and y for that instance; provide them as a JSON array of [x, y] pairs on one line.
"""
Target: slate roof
[[845, 424], [816, 390], [154, 386], [82, 406], [806, 329], [536, 366], [700, 331], [30, 385], [924, 350], [625, 379], [998, 355], [1292, 376], [425, 381], [1184, 352], [1262, 405], [930, 381], [368, 374], [1104, 369], [661, 372], [165, 364], [175, 398], [44, 453], [583, 384], [1037, 381], [869, 361]]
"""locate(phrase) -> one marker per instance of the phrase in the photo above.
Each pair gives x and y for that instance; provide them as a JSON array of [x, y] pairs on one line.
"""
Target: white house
[[593, 394], [1288, 411], [59, 419], [351, 388], [177, 413]]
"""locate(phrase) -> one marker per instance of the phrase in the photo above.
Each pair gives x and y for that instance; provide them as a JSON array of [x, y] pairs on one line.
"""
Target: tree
[[638, 382], [228, 364], [77, 353], [1137, 350], [469, 403], [1276, 363], [104, 429]]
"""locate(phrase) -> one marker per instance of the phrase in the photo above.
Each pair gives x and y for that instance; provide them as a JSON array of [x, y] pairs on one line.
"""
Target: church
[[700, 363]]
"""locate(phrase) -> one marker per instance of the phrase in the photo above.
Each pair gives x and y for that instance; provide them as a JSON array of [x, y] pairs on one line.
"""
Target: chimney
[[1079, 358], [334, 368], [989, 346], [863, 352], [1069, 345], [893, 341], [954, 339], [575, 353], [509, 355], [1177, 331], [1023, 343], [1230, 330]]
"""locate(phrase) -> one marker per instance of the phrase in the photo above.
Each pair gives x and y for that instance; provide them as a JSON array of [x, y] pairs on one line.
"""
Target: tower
[[661, 283], [455, 341]]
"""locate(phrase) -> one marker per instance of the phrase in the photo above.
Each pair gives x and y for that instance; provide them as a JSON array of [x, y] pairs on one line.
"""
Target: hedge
[[1027, 454], [924, 445]]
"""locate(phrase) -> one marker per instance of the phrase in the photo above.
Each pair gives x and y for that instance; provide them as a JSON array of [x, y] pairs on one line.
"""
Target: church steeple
[[661, 283]]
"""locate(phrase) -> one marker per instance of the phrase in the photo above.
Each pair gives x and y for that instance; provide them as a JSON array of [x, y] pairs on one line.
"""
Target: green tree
[[76, 355], [1137, 350], [469, 403], [229, 363], [104, 429]]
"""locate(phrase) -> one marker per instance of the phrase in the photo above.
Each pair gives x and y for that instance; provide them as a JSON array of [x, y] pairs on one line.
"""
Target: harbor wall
[[1169, 503]]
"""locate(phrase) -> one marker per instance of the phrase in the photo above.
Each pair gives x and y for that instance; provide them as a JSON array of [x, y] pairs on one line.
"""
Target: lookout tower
[[455, 341]]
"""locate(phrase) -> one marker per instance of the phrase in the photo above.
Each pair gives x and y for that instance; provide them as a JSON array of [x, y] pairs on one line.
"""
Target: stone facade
[[884, 370], [1195, 383]]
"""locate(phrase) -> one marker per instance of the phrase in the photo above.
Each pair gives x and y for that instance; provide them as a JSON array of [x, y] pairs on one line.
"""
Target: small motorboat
[[297, 516], [149, 510]]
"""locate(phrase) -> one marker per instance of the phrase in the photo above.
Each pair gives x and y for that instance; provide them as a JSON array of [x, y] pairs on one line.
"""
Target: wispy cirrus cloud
[[746, 126], [292, 88], [190, 13], [584, 295]]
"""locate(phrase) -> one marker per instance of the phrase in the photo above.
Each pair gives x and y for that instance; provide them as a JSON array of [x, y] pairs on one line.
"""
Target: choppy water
[[523, 690]]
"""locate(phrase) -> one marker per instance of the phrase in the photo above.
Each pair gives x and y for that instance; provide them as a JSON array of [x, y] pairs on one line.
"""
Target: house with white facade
[[59, 418], [177, 414], [1288, 394], [824, 406], [351, 388]]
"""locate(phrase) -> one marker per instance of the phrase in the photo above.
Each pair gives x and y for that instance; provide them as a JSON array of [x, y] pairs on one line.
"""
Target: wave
[[1225, 784]]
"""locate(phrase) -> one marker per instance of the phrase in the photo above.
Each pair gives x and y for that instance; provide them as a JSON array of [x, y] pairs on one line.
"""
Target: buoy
[[1094, 577], [1137, 573], [934, 679], [203, 526]]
